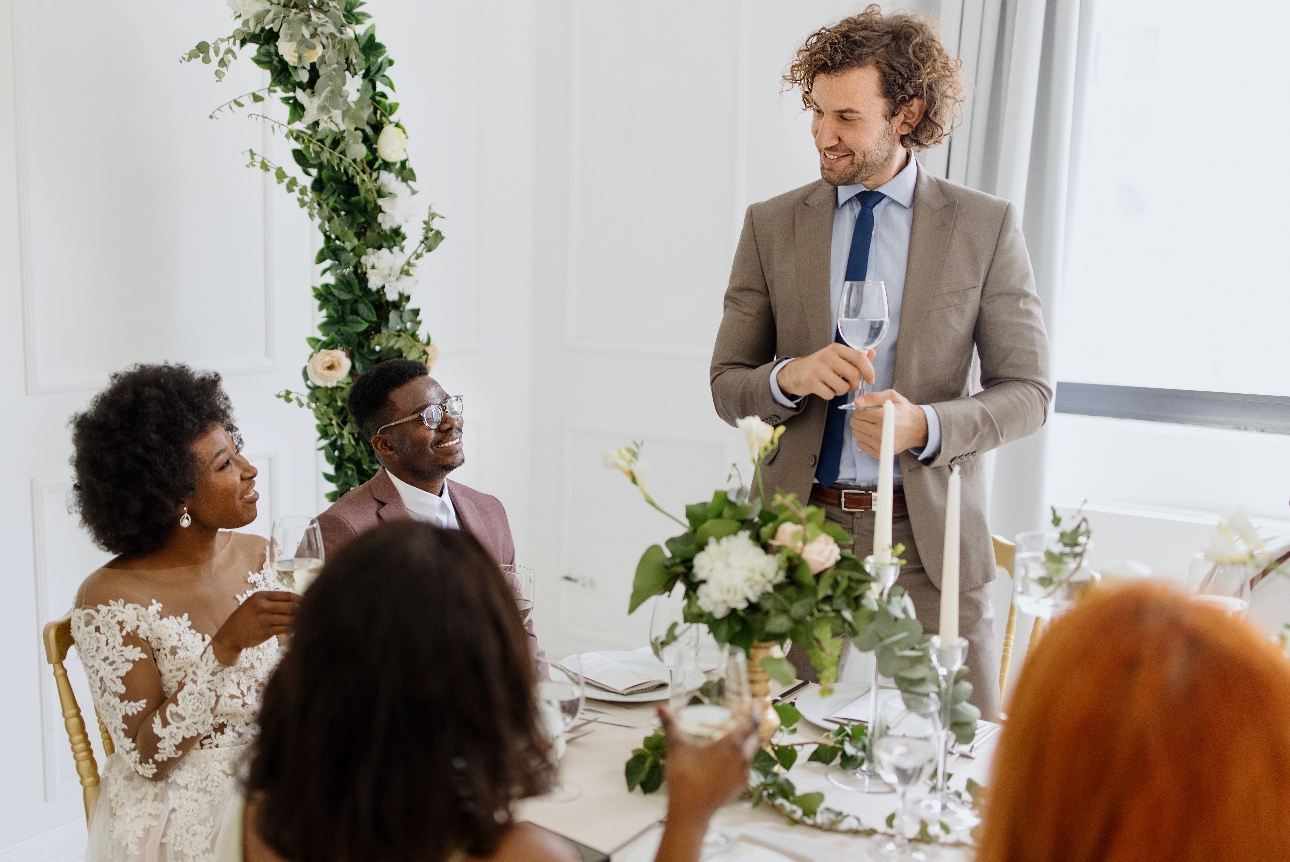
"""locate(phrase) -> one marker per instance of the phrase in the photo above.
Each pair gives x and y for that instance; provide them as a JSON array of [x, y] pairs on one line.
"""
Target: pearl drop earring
[[186, 519]]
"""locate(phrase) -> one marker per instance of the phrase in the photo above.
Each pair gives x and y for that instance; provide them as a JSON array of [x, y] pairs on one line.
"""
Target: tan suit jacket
[[968, 284]]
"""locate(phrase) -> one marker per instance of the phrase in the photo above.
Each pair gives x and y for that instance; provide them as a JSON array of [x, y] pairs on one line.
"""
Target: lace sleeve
[[149, 728]]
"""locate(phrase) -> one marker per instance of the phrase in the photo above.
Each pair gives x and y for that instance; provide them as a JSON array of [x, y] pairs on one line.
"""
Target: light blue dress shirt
[[893, 218]]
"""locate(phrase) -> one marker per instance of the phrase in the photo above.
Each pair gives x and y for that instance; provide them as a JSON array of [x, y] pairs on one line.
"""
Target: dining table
[[627, 825]]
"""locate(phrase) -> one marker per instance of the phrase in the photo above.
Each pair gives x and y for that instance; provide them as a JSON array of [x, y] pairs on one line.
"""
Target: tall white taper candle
[[882, 509], [950, 566]]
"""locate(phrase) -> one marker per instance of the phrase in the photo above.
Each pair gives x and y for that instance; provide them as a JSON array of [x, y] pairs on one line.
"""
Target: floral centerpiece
[[758, 573], [351, 174]]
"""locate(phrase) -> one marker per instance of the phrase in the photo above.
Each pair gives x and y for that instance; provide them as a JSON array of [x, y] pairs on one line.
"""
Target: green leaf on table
[[809, 803], [763, 762], [653, 779], [652, 576], [636, 768], [825, 754], [786, 755], [789, 715], [780, 669]]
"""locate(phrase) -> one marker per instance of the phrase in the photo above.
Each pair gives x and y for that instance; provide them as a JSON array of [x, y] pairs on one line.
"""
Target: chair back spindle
[[58, 641]]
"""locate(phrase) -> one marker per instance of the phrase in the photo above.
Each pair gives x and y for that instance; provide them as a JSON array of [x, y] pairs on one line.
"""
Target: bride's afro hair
[[133, 462]]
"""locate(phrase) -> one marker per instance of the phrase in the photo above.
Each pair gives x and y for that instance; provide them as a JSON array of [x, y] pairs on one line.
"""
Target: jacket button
[[772, 420], [810, 460]]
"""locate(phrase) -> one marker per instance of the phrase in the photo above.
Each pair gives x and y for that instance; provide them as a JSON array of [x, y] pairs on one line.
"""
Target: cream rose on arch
[[328, 367], [392, 143]]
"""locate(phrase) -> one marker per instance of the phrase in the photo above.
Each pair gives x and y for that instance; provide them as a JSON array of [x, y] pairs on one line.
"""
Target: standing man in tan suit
[[958, 279]]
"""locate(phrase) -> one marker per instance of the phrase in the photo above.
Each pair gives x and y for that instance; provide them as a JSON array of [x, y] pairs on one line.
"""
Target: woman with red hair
[[1144, 727]]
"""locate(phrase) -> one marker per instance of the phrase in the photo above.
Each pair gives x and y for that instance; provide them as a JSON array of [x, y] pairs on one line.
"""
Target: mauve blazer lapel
[[469, 518], [813, 244], [390, 505], [929, 242]]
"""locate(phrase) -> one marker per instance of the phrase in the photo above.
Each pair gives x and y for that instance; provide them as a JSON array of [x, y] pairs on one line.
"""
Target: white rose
[[392, 143], [288, 50], [247, 8], [328, 367], [758, 435], [821, 552], [432, 355]]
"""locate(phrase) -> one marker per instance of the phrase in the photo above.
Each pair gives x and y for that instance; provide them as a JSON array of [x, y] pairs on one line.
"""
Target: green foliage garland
[[355, 183]]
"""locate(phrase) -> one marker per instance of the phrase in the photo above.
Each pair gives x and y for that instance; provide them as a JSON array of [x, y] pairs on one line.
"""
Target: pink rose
[[821, 552], [789, 535]]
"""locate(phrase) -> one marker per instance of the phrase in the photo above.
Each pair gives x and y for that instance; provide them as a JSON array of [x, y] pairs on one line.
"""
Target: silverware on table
[[790, 691], [587, 732], [646, 828], [599, 720]]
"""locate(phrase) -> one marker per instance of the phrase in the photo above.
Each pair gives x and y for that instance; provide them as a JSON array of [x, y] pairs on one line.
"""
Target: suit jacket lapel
[[929, 240], [813, 236], [390, 504], [468, 517]]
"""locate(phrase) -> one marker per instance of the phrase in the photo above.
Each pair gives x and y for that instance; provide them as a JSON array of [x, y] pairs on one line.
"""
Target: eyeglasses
[[432, 415]]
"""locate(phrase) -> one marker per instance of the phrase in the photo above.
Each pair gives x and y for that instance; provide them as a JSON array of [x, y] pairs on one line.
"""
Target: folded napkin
[[603, 672], [858, 709]]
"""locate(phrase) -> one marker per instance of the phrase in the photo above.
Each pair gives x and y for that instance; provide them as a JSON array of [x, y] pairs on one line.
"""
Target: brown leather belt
[[853, 501]]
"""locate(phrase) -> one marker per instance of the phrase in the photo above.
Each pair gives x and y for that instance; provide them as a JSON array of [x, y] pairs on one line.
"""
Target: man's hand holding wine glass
[[828, 372]]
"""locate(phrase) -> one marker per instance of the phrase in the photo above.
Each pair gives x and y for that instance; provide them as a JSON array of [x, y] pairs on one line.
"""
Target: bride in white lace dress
[[178, 633]]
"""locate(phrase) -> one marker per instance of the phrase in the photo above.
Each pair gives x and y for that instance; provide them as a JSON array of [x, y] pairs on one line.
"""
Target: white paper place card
[[604, 672], [858, 709]]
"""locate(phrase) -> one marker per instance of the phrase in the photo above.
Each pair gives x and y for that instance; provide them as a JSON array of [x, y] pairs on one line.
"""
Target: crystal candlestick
[[866, 778], [948, 658]]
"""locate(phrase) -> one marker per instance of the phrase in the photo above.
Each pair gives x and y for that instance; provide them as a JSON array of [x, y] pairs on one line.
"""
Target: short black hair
[[370, 394], [132, 460], [402, 721]]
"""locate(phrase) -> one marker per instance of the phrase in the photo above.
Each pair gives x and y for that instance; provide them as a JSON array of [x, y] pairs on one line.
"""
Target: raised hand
[[263, 615], [835, 370]]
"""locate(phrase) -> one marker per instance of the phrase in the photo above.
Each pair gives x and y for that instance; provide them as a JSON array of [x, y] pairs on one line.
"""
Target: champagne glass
[[521, 578], [903, 758], [721, 704], [296, 551], [564, 696], [863, 320]]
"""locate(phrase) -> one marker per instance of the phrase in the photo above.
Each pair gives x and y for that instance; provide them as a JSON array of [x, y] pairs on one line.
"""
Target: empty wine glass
[[721, 704], [296, 551], [903, 757], [1223, 585], [521, 578], [564, 696], [863, 320], [675, 643]]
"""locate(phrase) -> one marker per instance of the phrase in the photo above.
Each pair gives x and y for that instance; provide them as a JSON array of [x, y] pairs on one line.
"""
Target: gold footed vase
[[759, 685]]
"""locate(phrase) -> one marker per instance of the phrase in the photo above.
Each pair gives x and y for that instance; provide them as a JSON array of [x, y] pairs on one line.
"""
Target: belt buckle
[[842, 501]]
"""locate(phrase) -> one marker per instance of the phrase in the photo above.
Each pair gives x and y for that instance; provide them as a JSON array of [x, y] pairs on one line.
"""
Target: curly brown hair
[[909, 56]]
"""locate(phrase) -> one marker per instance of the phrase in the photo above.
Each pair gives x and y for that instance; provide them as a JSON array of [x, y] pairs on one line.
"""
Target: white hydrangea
[[383, 267], [397, 207], [734, 572]]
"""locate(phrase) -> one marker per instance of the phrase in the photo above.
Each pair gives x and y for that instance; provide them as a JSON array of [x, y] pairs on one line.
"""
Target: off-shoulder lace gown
[[160, 794]]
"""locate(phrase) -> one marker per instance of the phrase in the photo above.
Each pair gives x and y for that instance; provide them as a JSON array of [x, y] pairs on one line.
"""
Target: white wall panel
[[166, 258]]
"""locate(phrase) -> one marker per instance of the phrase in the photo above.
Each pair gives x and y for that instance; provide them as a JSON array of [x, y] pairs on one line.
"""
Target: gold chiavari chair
[[58, 640], [1005, 557]]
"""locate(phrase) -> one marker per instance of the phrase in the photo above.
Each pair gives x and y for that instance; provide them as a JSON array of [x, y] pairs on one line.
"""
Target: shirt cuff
[[792, 404], [933, 447]]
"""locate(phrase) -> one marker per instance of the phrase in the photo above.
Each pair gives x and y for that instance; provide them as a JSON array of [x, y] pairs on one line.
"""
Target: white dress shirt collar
[[899, 188], [426, 507]]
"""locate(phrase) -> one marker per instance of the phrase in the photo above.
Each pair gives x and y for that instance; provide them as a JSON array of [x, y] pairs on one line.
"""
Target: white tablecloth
[[605, 814]]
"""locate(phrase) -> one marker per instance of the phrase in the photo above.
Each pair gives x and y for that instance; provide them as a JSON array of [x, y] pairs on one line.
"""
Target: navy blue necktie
[[835, 424]]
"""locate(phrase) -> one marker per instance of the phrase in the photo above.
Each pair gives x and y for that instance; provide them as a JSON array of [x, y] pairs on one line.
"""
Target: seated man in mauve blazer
[[415, 428]]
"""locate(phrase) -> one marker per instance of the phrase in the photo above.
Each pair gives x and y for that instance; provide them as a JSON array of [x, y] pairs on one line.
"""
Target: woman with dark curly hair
[[402, 726], [179, 631]]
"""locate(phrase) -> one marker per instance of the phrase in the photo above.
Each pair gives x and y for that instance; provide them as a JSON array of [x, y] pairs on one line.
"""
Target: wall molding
[[1265, 413], [32, 378], [63, 844]]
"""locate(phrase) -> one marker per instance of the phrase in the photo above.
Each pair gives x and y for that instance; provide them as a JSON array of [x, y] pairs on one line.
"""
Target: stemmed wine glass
[[903, 758], [1223, 585], [564, 696], [675, 643], [721, 704], [863, 319], [521, 578], [296, 551]]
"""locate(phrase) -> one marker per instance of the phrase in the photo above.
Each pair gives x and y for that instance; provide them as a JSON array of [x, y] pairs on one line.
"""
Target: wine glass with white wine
[[722, 703], [563, 697], [296, 551], [863, 320]]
